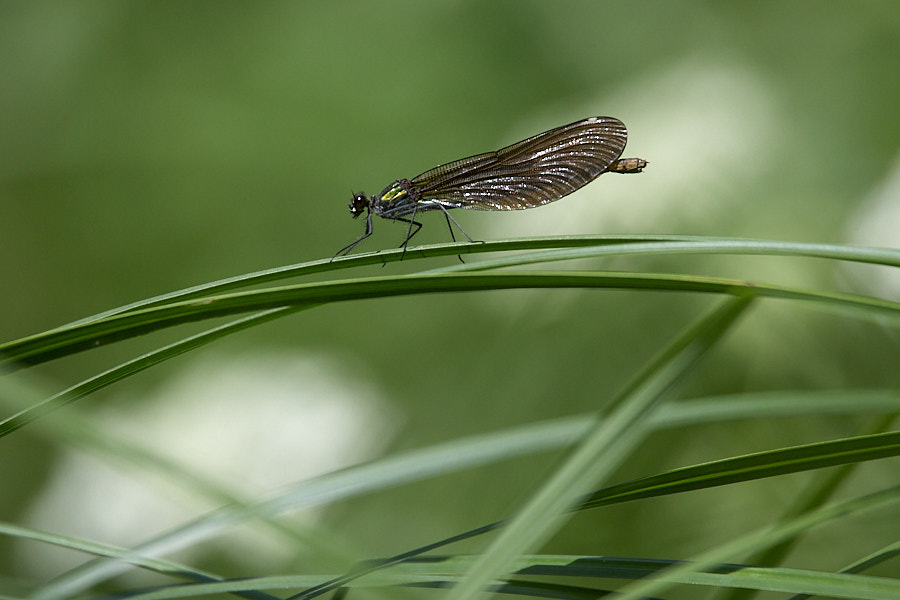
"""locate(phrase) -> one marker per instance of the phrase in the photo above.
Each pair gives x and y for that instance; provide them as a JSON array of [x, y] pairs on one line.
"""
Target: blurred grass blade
[[601, 451], [816, 493], [95, 548], [164, 567], [101, 380], [752, 466], [682, 480], [443, 571], [737, 576], [876, 558], [827, 584], [468, 453]]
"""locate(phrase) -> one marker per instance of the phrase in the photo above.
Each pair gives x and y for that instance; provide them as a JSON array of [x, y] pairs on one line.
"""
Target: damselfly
[[536, 171]]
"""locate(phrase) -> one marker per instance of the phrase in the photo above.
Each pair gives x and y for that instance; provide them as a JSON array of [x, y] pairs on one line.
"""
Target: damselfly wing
[[533, 172]]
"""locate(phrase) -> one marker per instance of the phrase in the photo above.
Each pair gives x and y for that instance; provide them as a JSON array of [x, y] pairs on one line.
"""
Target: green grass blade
[[61, 342], [601, 451], [724, 575], [560, 248], [827, 584], [163, 567], [101, 380], [816, 494], [884, 554], [771, 463], [709, 246], [767, 465], [473, 452], [360, 260], [443, 571]]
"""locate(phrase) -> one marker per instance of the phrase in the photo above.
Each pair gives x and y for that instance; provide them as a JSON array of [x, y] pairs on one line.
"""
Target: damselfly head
[[358, 203]]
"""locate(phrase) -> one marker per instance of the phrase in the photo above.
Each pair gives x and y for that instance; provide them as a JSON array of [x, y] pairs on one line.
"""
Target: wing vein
[[535, 171]]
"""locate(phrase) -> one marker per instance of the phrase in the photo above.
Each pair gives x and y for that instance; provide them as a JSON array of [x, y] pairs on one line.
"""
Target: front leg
[[346, 249], [410, 232]]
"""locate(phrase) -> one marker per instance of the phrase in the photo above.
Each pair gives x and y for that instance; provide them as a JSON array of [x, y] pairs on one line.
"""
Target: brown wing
[[536, 171]]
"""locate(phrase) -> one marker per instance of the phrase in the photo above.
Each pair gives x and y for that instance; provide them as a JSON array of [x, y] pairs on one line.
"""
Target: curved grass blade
[[760, 465], [591, 246], [110, 376], [444, 571], [164, 567], [827, 584], [815, 494], [718, 575], [61, 342], [876, 558], [358, 260], [739, 576], [889, 257], [527, 589]]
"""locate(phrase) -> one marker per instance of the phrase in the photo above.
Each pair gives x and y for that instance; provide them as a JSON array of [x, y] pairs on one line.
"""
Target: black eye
[[358, 203]]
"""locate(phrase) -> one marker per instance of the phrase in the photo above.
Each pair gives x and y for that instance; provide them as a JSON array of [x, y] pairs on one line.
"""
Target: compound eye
[[358, 203]]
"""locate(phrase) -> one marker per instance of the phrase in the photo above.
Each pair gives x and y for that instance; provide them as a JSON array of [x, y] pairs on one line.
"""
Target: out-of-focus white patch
[[250, 422], [704, 128], [707, 137], [877, 223]]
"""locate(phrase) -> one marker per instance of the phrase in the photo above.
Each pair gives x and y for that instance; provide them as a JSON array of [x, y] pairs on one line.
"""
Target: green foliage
[[602, 442]]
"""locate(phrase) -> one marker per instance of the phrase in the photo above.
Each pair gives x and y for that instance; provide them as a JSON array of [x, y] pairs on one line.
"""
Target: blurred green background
[[149, 146]]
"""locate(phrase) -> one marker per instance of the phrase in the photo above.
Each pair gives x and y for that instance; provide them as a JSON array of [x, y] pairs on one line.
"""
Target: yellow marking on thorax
[[395, 193]]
